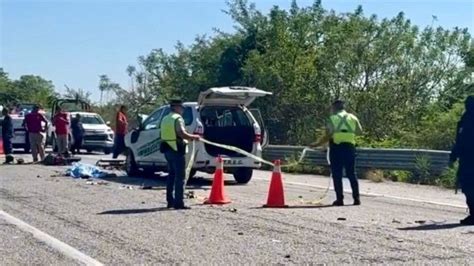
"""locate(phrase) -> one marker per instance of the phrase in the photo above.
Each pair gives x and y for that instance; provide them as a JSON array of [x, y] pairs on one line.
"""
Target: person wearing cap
[[7, 135], [341, 130], [174, 145], [463, 150], [121, 124], [33, 123]]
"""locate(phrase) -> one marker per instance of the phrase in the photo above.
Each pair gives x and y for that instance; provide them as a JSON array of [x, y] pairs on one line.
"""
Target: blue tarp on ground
[[81, 170]]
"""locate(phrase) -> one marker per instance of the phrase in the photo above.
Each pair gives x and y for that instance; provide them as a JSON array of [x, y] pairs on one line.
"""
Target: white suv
[[220, 115]]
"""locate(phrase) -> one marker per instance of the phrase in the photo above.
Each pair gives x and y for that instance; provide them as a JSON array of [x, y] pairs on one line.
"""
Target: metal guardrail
[[383, 159]]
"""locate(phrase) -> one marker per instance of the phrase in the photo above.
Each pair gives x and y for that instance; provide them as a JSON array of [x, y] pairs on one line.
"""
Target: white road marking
[[368, 194], [50, 241]]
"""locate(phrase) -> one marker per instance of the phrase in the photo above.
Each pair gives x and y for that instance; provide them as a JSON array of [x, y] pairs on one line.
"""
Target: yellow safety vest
[[343, 126], [168, 130]]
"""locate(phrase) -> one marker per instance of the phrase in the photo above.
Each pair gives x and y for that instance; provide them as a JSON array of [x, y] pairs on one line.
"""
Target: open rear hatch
[[226, 120]]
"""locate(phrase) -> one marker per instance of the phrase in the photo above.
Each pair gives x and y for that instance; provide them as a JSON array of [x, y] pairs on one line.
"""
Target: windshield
[[92, 120]]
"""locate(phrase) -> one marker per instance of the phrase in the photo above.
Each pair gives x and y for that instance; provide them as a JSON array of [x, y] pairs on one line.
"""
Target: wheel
[[26, 148], [107, 151], [131, 165], [192, 173], [243, 175]]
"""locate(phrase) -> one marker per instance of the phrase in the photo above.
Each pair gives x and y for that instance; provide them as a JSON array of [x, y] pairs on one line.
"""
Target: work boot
[[338, 203], [356, 202], [468, 220]]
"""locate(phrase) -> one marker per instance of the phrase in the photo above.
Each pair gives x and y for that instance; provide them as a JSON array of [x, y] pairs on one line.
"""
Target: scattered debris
[[341, 219], [420, 222], [146, 187], [190, 195], [20, 161], [300, 197], [233, 210], [400, 240], [287, 256], [125, 187], [395, 221], [38, 176], [240, 233], [276, 241], [91, 182], [143, 202]]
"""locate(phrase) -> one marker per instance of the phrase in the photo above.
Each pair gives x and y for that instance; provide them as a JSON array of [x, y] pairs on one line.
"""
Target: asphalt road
[[119, 223]]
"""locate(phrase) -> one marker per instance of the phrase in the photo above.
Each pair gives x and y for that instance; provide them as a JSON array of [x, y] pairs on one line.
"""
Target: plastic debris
[[395, 221], [233, 210], [80, 170], [420, 222], [341, 219], [240, 233]]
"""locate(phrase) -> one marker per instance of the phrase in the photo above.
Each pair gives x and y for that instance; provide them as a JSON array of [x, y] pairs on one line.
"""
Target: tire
[[192, 173], [107, 151], [243, 175], [131, 165], [26, 148]]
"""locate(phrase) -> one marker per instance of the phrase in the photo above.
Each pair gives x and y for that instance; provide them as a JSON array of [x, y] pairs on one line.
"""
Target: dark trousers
[[7, 145], [77, 145], [119, 145], [469, 193], [176, 178], [342, 156]]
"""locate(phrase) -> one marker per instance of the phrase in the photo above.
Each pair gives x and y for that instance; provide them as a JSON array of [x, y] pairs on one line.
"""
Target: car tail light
[[258, 133], [199, 130]]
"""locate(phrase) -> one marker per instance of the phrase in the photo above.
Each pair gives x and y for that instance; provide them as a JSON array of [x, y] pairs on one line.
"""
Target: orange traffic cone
[[2, 151], [276, 195], [217, 195]]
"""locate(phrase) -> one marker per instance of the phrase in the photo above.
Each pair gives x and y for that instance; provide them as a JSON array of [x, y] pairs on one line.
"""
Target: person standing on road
[[77, 134], [341, 131], [61, 123], [121, 127], [174, 145], [7, 135], [463, 150], [36, 132]]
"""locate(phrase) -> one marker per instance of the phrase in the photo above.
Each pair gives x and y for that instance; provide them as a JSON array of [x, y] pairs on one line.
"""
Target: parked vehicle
[[98, 135], [220, 115]]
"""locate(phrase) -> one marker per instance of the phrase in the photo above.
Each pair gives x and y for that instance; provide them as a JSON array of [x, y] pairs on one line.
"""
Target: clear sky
[[74, 41]]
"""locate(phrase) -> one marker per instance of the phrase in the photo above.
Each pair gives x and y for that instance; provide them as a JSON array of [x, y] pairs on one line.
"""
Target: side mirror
[[107, 123]]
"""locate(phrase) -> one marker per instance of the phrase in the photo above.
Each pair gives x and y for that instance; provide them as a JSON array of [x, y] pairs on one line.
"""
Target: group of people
[[36, 126]]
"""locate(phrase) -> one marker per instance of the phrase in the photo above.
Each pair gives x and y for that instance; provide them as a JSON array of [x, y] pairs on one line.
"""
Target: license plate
[[233, 162]]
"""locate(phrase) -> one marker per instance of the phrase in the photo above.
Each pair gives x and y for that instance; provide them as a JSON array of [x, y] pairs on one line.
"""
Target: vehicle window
[[187, 115], [152, 122], [224, 117], [92, 120]]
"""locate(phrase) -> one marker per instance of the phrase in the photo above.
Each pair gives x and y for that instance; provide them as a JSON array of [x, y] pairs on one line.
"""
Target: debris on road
[[20, 161], [287, 256], [240, 233], [395, 221], [233, 210], [146, 187], [126, 187], [189, 195], [38, 176], [341, 219], [100, 182], [420, 222]]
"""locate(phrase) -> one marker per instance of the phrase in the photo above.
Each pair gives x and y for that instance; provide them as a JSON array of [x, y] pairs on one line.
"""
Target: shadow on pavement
[[134, 211], [429, 227], [158, 182]]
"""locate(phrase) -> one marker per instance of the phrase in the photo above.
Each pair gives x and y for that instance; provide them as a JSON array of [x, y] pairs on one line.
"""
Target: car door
[[147, 144]]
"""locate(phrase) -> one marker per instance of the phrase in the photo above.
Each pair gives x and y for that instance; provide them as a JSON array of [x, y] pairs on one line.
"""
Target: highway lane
[[119, 223]]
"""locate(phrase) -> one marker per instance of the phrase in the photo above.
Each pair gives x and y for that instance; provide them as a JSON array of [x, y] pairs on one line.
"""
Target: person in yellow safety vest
[[341, 131], [174, 145]]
